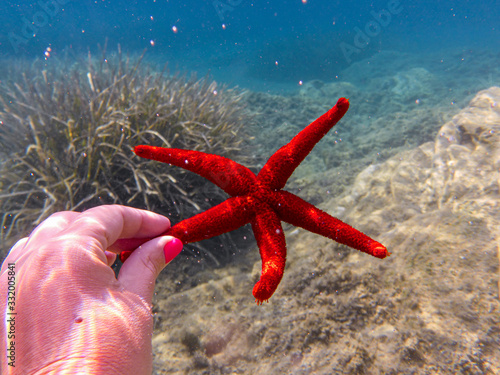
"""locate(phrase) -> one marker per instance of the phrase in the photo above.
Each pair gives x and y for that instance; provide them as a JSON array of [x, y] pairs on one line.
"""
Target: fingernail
[[172, 249]]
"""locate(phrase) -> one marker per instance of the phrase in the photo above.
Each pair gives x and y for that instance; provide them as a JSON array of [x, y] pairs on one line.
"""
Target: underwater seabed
[[412, 164], [68, 126], [432, 307]]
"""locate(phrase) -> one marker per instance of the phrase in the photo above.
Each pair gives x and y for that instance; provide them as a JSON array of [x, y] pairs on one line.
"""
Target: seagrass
[[67, 129]]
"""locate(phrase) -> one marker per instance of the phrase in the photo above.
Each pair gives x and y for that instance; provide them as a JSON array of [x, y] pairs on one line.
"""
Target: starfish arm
[[298, 212], [272, 246], [281, 165], [235, 179], [225, 217]]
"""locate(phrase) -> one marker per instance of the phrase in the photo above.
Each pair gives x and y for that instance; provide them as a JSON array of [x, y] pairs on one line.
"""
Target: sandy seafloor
[[415, 164]]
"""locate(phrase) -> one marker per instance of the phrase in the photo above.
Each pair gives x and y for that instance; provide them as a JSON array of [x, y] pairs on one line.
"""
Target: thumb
[[138, 274]]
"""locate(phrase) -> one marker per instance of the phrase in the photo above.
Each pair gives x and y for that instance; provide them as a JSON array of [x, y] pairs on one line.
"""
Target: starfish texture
[[260, 200]]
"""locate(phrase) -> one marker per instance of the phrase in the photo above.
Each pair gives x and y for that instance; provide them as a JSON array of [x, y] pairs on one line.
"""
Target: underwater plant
[[67, 131]]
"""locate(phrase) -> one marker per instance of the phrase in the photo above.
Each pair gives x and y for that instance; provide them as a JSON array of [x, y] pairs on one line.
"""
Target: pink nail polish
[[172, 249]]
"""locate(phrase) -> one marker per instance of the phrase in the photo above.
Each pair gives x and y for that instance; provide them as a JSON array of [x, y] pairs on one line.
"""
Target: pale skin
[[73, 316]]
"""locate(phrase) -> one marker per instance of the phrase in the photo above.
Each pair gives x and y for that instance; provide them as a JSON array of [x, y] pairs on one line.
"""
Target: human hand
[[71, 314]]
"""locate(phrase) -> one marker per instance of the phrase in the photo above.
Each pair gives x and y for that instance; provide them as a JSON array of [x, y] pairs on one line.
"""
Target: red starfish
[[260, 200]]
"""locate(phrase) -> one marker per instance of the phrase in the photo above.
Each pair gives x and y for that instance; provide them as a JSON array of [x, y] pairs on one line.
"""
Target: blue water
[[245, 42]]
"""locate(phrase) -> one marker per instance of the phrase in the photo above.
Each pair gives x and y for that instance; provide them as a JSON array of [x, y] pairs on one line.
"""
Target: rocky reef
[[432, 307]]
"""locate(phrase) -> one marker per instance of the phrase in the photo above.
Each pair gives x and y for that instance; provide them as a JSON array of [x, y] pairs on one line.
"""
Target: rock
[[431, 307]]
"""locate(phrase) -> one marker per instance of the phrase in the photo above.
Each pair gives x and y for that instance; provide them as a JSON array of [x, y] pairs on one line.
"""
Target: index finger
[[106, 224]]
